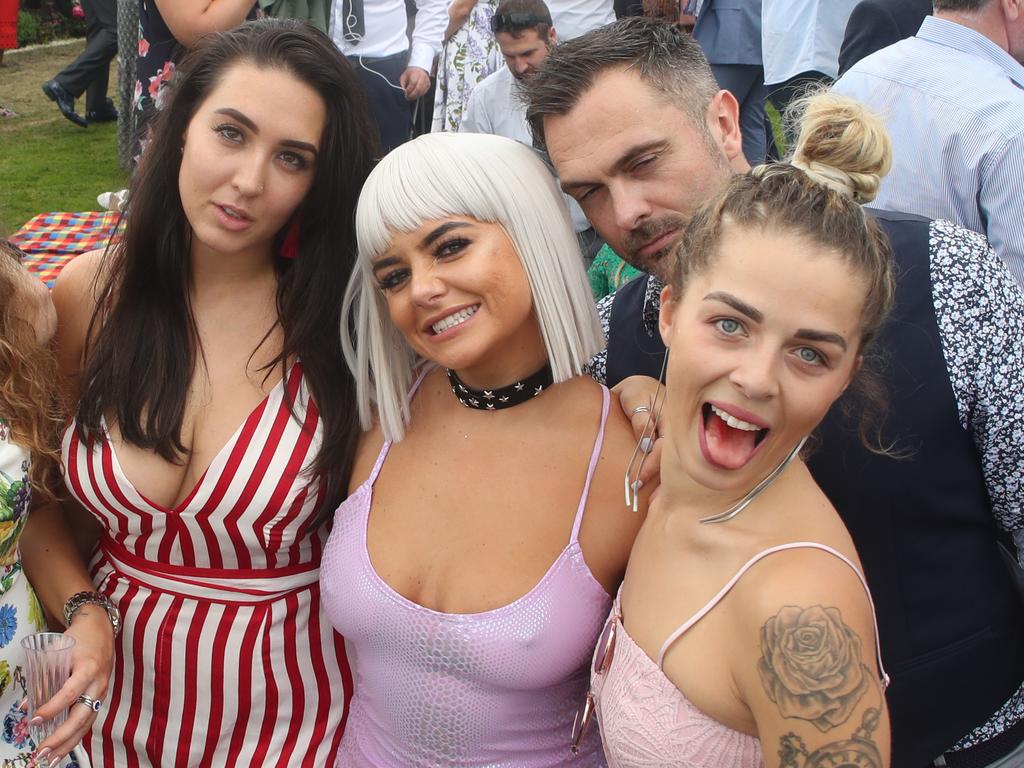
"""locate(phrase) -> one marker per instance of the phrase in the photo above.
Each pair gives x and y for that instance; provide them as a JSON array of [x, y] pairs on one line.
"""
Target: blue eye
[[809, 355], [728, 326]]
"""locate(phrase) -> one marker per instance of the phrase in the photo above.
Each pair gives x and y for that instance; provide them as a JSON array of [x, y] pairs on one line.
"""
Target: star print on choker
[[502, 397]]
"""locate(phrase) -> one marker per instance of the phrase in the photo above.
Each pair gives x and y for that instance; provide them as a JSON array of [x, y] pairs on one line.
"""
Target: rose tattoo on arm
[[811, 665]]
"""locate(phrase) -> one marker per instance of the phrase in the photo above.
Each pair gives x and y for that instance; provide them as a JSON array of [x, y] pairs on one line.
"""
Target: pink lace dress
[[646, 722]]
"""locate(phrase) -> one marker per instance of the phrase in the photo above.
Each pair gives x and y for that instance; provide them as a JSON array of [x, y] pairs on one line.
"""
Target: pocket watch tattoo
[[859, 751]]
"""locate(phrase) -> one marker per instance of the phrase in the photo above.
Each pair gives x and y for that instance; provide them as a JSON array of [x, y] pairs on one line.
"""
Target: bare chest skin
[[222, 395], [679, 565], [472, 508]]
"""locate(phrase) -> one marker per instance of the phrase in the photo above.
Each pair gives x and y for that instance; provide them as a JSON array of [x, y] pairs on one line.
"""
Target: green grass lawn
[[46, 162]]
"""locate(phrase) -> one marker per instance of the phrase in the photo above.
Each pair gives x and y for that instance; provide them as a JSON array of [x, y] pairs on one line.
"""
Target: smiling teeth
[[454, 319], [232, 213], [735, 423]]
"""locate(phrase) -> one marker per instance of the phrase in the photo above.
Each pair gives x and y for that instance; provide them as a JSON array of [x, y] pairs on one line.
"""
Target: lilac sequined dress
[[497, 688]]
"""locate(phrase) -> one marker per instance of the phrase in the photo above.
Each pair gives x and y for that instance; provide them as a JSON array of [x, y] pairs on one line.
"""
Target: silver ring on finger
[[94, 704], [640, 409]]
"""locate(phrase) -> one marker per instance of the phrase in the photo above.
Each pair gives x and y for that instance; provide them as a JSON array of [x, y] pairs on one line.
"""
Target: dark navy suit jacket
[[877, 24]]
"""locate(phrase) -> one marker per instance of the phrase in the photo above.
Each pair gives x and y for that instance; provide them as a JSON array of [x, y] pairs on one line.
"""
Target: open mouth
[[234, 214], [454, 319], [726, 440]]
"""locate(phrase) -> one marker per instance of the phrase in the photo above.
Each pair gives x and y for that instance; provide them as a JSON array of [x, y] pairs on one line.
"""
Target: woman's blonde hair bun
[[842, 144]]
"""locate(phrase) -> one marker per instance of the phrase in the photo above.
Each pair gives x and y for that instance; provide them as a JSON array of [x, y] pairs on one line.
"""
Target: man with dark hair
[[641, 137], [877, 24], [525, 34], [952, 98]]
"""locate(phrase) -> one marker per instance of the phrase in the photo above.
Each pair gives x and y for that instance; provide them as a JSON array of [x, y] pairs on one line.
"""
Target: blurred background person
[[469, 55], [729, 33], [90, 72], [800, 42], [393, 65], [525, 34], [316, 12], [166, 29], [8, 38], [877, 24], [952, 97]]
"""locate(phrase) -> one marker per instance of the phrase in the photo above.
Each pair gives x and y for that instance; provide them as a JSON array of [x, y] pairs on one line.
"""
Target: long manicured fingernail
[[36, 721], [41, 754], [55, 762], [646, 445]]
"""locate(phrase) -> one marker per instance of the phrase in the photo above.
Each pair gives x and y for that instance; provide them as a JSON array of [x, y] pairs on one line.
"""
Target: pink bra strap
[[756, 558], [594, 456], [387, 443]]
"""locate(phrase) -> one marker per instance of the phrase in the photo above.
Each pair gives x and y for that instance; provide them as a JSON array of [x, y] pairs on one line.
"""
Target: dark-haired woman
[[215, 426]]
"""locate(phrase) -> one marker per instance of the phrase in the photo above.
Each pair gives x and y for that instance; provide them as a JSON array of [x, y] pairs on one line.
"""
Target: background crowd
[[321, 459]]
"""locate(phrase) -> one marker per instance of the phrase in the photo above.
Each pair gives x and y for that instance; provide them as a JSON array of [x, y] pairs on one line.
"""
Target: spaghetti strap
[[739, 574], [387, 443], [594, 456]]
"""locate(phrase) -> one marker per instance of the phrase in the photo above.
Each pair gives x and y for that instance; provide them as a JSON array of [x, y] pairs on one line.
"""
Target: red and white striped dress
[[225, 657]]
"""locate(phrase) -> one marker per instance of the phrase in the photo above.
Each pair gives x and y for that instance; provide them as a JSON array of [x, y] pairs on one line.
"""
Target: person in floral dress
[[30, 422], [161, 43], [470, 54]]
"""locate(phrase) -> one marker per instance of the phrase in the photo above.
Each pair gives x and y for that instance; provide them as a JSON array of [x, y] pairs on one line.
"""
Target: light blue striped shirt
[[953, 102]]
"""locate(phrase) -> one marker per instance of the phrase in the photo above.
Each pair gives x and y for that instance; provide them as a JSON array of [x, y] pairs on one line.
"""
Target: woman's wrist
[[89, 604]]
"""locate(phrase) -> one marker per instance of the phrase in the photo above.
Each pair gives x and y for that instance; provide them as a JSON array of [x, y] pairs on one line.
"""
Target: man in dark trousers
[[89, 73], [877, 24], [642, 139]]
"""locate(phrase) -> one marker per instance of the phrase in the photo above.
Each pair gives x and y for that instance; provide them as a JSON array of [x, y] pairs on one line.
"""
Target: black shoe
[[65, 102], [106, 114]]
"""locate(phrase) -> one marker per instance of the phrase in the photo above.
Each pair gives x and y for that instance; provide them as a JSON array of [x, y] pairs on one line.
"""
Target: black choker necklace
[[503, 397]]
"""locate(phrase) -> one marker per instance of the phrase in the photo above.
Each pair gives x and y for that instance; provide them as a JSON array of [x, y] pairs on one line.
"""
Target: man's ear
[[552, 36], [667, 314], [724, 123]]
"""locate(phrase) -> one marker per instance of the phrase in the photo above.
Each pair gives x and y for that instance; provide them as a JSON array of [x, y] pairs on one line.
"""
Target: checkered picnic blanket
[[51, 240]]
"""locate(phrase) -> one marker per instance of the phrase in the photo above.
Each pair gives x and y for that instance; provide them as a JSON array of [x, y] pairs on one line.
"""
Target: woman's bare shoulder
[[804, 658], [76, 291]]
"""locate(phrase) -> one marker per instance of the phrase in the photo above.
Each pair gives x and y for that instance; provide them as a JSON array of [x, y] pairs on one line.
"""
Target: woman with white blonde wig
[[472, 566]]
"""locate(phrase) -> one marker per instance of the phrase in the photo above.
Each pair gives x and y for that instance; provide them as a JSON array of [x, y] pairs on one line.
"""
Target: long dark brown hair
[[142, 349]]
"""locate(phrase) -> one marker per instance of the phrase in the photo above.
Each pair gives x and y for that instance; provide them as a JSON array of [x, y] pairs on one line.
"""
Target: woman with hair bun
[[744, 634], [472, 567]]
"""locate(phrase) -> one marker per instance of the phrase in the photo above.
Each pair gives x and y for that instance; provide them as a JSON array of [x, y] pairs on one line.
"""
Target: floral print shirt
[[20, 612]]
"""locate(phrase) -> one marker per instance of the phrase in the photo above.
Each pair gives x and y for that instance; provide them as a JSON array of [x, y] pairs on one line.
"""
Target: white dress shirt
[[495, 107], [386, 33], [953, 102], [802, 36], [573, 18]]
